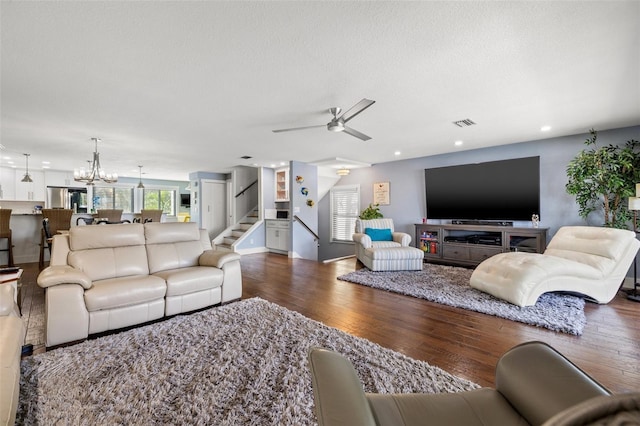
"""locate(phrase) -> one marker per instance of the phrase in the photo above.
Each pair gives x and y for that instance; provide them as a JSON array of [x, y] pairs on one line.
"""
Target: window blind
[[345, 208]]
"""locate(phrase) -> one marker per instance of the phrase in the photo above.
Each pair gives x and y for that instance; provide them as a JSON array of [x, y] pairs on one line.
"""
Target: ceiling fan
[[337, 124]]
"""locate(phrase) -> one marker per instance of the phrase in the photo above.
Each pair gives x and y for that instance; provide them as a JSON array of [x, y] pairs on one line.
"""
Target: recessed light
[[282, 163], [397, 153], [46, 167], [545, 128], [46, 162], [273, 165], [458, 143]]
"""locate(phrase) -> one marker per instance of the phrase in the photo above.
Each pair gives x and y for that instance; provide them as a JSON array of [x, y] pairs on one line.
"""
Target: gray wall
[[406, 179], [302, 242]]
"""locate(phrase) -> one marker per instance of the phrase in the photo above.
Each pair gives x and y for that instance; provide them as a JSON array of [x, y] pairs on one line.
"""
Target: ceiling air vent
[[464, 123]]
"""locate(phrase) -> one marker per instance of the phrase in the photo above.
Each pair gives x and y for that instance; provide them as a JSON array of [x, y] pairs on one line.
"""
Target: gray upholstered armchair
[[380, 248], [535, 385]]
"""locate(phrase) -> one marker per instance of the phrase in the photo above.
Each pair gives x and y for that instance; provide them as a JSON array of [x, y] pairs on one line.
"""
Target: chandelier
[[27, 176], [95, 172]]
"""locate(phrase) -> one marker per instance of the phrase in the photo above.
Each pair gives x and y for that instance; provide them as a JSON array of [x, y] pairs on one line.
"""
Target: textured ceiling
[[193, 86]]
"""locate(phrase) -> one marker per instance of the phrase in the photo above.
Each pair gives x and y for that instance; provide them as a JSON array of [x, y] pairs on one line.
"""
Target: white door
[[214, 206]]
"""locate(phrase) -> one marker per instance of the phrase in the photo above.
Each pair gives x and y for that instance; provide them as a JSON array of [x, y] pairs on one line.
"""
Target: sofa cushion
[[165, 257], [106, 263], [379, 234], [189, 280], [125, 291], [172, 245], [171, 232], [384, 244], [104, 236]]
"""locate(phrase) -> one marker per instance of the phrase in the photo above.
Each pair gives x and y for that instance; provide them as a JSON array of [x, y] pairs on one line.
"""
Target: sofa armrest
[[337, 390], [539, 382], [63, 274], [8, 307], [363, 239], [217, 258], [402, 238]]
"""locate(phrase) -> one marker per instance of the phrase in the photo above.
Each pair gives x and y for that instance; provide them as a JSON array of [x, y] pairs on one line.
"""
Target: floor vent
[[464, 123]]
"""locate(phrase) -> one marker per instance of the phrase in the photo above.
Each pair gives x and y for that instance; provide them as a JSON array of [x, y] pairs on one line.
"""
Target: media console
[[468, 245]]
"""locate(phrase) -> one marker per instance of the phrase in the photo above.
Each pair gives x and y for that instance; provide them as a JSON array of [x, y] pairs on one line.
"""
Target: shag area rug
[[449, 285], [242, 363]]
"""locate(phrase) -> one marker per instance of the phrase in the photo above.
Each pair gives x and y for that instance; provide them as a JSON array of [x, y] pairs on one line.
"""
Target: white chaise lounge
[[591, 261]]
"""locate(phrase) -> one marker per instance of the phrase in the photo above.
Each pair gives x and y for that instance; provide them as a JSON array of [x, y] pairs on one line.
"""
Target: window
[[163, 199], [113, 198], [345, 208]]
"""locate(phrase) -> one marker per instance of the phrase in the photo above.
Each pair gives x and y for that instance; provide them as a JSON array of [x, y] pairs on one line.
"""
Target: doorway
[[213, 206]]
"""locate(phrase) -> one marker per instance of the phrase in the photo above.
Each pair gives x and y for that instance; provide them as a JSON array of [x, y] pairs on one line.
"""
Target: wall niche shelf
[[468, 245]]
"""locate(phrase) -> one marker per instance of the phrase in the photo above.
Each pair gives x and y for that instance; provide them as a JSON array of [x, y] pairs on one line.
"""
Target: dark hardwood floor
[[464, 343]]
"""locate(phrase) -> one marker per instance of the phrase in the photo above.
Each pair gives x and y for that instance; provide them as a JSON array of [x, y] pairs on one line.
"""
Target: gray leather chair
[[534, 384]]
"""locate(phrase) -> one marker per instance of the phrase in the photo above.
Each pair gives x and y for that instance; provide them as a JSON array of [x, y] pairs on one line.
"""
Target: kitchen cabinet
[[282, 185], [60, 178], [278, 235], [30, 191], [7, 183]]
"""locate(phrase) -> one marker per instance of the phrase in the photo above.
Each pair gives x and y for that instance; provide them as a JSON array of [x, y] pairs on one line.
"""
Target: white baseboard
[[335, 259], [252, 250]]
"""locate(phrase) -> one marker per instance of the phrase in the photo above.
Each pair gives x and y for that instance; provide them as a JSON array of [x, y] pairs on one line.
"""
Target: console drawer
[[479, 254], [469, 252]]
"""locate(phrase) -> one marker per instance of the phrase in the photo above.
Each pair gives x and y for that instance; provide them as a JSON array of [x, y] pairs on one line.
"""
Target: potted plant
[[371, 212], [603, 177]]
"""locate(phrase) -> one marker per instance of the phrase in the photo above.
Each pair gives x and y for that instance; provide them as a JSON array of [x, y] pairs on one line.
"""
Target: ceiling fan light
[[335, 126], [343, 172]]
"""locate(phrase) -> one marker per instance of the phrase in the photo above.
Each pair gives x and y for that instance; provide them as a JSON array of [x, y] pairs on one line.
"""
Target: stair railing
[[245, 190], [304, 225]]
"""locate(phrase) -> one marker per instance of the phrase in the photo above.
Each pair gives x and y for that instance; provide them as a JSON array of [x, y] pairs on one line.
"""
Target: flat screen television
[[505, 190], [185, 200]]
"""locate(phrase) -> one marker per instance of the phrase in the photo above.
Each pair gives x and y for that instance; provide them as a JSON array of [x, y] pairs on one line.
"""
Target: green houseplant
[[371, 212], [603, 177]]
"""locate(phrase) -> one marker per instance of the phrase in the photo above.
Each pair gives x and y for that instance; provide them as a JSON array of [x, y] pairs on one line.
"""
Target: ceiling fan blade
[[298, 128], [356, 109], [356, 133]]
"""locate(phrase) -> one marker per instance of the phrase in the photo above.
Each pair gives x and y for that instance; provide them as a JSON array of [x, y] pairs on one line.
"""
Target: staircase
[[230, 236]]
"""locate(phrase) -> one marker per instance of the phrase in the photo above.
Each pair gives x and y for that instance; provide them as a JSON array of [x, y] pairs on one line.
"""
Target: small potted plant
[[371, 212]]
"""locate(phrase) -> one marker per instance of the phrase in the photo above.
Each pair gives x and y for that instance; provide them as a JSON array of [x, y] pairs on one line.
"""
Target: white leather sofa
[[106, 277], [391, 254], [12, 333], [586, 260]]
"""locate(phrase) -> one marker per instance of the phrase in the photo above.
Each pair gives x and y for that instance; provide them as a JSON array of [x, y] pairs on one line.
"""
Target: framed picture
[[381, 193]]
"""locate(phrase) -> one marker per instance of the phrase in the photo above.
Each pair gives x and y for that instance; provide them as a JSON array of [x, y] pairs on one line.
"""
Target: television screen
[[496, 190], [185, 200]]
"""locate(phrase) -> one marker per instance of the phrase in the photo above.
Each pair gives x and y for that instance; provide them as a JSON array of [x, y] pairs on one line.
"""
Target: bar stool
[[54, 220], [5, 233], [111, 215], [151, 215]]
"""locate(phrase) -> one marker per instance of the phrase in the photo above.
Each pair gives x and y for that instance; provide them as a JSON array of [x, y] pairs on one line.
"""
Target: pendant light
[[27, 177], [140, 185]]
